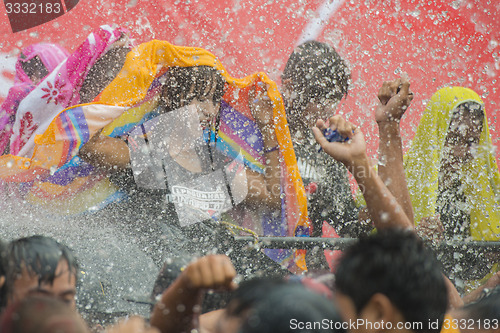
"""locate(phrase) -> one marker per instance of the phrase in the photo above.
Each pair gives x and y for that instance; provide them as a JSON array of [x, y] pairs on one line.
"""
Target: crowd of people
[[160, 147]]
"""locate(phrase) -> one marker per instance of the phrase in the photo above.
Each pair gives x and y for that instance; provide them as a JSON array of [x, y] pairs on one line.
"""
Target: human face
[[463, 136], [320, 109], [63, 286], [206, 107]]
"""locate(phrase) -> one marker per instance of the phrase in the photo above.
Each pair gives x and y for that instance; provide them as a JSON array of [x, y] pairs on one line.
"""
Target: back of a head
[[39, 256], [316, 71], [41, 314], [394, 263], [290, 308], [250, 291]]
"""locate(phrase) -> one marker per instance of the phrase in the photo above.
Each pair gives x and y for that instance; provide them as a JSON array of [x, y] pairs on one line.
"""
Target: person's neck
[[186, 157]]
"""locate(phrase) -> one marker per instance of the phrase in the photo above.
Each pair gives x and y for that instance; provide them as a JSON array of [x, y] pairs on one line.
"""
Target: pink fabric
[[51, 55], [59, 90], [332, 256]]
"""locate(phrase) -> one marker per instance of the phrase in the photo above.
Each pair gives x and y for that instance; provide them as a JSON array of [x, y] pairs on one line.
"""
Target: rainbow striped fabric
[[56, 177]]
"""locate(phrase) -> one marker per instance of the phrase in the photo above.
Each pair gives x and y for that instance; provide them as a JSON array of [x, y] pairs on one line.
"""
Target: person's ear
[[2, 281], [379, 311]]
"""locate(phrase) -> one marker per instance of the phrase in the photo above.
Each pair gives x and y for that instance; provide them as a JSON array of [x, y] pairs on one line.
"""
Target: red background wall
[[439, 42]]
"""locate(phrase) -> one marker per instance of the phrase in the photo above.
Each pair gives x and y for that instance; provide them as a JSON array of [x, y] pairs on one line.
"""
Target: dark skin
[[381, 203], [395, 98], [63, 287]]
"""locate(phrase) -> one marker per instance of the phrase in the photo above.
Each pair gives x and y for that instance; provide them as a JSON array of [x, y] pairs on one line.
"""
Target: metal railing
[[341, 243]]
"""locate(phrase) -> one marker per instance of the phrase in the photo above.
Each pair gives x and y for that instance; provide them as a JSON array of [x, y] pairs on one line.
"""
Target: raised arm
[[383, 207], [180, 304], [394, 97]]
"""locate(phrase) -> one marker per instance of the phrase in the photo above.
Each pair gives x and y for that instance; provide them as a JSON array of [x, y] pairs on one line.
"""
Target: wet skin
[[63, 286]]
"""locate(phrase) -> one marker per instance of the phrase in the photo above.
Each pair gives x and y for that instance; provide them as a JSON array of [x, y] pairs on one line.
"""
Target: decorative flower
[[28, 126], [54, 92]]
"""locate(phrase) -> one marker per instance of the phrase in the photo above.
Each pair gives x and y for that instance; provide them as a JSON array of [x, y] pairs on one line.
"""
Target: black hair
[[34, 67], [291, 307], [394, 263], [39, 256], [102, 73], [316, 72], [250, 291], [486, 308], [183, 84]]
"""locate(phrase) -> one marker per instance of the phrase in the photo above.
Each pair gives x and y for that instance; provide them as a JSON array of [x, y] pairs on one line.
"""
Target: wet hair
[[39, 255], [183, 84], [394, 263], [486, 308], [34, 68], [317, 72], [102, 73], [286, 306], [39, 314], [250, 292]]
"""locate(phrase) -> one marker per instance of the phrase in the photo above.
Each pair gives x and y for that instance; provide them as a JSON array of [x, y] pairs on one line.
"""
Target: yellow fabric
[[78, 203], [480, 177], [144, 63], [474, 284], [149, 60], [450, 325]]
